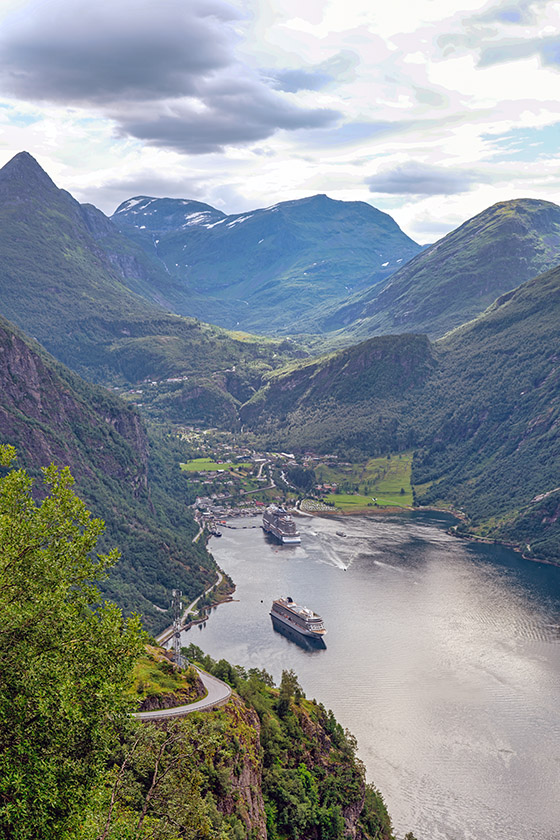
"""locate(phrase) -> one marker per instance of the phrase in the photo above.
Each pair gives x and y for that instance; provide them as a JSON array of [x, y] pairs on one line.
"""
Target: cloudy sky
[[429, 109]]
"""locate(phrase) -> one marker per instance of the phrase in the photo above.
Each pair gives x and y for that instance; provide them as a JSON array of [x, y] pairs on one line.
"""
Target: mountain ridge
[[71, 281], [270, 265], [456, 278]]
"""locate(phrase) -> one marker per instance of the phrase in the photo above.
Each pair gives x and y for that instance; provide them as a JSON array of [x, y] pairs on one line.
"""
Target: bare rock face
[[51, 421], [245, 797]]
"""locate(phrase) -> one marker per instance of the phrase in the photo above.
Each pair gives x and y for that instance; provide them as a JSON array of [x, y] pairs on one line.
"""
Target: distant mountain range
[[480, 406], [267, 269], [343, 270]]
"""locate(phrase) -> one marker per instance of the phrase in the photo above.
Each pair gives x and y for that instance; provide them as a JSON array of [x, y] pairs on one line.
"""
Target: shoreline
[[163, 637], [460, 515]]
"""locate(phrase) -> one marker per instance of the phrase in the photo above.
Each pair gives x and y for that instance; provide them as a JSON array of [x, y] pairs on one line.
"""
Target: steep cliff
[[51, 415], [267, 765]]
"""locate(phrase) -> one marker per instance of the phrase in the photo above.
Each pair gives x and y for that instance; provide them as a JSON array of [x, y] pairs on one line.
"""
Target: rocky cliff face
[[52, 416], [244, 796], [50, 421]]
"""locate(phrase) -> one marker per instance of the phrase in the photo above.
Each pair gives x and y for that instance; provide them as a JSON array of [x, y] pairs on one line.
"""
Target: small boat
[[340, 533]]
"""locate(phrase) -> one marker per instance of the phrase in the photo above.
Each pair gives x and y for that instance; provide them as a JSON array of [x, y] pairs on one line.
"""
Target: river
[[442, 657]]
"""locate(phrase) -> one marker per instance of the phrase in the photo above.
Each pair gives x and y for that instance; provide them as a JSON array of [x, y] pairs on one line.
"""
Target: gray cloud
[[165, 71], [238, 117], [339, 67], [421, 179], [548, 49], [97, 52], [294, 80]]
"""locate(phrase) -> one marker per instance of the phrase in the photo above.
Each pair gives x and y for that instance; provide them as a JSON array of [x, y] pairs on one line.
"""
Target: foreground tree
[[65, 657]]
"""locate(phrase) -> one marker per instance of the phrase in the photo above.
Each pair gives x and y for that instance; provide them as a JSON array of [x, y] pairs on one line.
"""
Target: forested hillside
[[354, 401], [51, 415], [480, 406], [493, 414], [455, 279]]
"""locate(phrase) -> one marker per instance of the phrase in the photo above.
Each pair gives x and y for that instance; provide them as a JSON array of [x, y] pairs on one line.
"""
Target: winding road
[[218, 693]]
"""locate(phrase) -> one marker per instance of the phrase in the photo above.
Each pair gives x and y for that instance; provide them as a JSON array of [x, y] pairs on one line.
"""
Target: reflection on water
[[443, 659]]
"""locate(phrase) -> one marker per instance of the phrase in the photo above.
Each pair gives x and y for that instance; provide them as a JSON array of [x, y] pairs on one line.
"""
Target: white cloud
[[234, 103]]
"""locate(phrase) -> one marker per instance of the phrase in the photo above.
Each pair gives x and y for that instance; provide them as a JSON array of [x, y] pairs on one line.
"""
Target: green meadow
[[383, 481], [208, 465]]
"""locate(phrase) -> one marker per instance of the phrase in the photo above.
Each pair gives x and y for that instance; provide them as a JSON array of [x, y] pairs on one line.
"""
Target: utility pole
[[177, 607]]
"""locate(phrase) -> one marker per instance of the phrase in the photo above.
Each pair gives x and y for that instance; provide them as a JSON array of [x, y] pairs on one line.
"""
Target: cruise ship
[[301, 619], [278, 522]]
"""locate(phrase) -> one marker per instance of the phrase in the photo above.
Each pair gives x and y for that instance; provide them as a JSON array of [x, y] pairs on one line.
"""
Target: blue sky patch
[[13, 117], [526, 144]]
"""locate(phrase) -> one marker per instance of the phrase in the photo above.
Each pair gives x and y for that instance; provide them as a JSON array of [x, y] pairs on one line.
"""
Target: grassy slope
[[155, 675], [208, 465], [381, 478], [458, 277]]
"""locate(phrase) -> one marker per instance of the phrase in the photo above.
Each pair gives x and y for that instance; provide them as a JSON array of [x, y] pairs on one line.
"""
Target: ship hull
[[296, 627], [281, 538], [313, 642], [278, 523]]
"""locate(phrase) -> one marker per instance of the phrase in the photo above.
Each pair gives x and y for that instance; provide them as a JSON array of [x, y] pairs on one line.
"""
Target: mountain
[[455, 279], [354, 401], [51, 415], [493, 411], [72, 281], [267, 269], [481, 408], [54, 273]]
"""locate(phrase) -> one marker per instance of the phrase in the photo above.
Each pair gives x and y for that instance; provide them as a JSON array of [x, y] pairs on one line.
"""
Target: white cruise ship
[[278, 522], [301, 619]]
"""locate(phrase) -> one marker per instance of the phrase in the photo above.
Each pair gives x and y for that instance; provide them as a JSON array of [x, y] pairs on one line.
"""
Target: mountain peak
[[24, 170]]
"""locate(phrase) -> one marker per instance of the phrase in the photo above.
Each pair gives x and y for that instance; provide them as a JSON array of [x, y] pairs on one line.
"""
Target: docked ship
[[286, 612], [278, 522]]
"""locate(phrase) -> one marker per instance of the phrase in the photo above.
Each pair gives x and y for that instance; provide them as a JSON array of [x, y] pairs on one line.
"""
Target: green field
[[378, 478], [208, 465]]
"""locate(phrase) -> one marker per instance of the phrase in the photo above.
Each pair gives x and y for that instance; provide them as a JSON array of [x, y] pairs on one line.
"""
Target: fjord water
[[442, 657]]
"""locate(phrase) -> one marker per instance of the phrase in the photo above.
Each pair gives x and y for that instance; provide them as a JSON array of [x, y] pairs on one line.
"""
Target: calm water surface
[[443, 658]]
